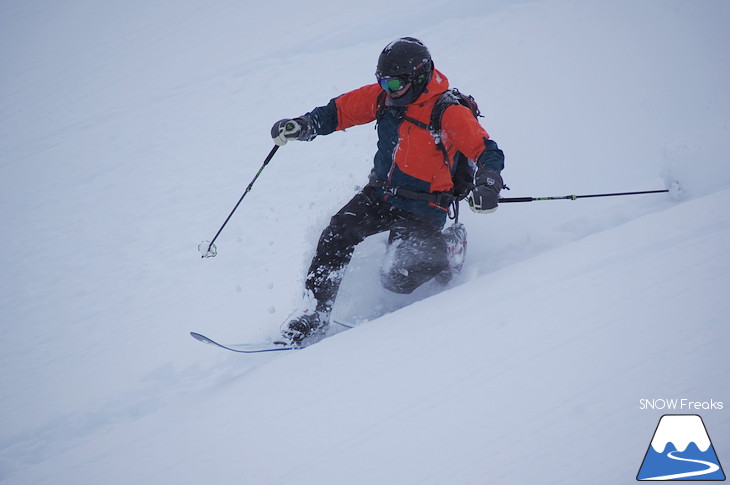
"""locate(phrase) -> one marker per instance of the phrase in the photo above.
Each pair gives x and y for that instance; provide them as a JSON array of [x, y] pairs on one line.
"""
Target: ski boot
[[455, 237], [306, 324]]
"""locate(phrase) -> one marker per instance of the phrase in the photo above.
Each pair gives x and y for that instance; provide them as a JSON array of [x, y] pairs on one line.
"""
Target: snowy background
[[128, 130]]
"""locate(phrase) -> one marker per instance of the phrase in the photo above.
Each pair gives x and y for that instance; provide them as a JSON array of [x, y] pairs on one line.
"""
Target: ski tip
[[201, 338]]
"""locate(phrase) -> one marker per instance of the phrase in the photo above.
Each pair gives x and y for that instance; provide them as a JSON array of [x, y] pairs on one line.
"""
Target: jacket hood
[[437, 85]]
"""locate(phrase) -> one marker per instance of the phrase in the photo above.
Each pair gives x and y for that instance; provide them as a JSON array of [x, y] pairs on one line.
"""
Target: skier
[[409, 189]]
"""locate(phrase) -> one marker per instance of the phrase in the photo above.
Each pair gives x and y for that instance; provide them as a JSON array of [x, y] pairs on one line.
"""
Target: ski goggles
[[392, 84]]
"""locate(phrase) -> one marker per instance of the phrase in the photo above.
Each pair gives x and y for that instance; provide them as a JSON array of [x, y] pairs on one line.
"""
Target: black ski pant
[[416, 248]]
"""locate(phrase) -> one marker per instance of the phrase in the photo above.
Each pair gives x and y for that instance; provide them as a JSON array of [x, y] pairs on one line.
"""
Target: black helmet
[[405, 58], [404, 61]]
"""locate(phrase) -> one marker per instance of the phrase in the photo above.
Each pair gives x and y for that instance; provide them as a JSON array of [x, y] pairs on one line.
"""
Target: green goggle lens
[[391, 84]]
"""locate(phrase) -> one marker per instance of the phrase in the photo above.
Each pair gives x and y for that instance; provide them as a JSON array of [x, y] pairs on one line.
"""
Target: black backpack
[[462, 173]]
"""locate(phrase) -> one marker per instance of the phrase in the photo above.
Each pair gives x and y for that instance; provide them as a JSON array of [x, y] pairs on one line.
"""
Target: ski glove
[[292, 129], [485, 196]]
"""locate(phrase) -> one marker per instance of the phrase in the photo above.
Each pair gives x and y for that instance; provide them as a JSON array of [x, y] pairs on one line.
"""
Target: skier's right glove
[[292, 129]]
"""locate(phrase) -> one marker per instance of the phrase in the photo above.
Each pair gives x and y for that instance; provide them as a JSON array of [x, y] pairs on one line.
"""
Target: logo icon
[[680, 450]]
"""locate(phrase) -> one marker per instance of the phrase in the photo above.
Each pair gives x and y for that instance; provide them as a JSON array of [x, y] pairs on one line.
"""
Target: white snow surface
[[128, 130]]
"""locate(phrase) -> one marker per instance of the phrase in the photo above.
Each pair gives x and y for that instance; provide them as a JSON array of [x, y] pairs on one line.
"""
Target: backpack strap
[[448, 98], [437, 113], [441, 199], [380, 106], [462, 174]]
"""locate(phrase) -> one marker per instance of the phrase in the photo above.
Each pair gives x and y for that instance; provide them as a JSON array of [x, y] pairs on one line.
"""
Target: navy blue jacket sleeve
[[492, 157], [324, 118]]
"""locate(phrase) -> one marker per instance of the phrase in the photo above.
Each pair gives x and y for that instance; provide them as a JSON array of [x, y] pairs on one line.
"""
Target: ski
[[343, 324], [244, 348], [258, 348]]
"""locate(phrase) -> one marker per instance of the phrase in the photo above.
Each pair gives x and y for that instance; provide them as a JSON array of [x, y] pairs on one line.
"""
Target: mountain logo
[[680, 450]]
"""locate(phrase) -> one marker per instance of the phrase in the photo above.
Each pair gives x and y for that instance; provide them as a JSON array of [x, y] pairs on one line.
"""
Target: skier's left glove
[[484, 198], [292, 129]]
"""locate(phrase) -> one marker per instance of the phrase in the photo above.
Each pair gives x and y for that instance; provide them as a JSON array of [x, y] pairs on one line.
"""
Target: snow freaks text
[[679, 404]]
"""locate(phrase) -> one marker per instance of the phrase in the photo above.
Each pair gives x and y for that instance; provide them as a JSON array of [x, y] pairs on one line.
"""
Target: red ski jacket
[[407, 155]]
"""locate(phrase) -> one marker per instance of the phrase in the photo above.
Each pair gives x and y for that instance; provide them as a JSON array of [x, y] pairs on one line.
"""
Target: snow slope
[[129, 131]]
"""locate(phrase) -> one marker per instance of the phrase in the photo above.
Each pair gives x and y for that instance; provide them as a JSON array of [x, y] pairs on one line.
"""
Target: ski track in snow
[[128, 133]]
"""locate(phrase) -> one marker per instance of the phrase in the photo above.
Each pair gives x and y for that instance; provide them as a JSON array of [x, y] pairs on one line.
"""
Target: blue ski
[[257, 348], [243, 348]]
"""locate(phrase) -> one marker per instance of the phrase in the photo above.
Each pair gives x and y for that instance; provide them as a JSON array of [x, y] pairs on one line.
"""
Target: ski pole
[[210, 250], [574, 197]]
